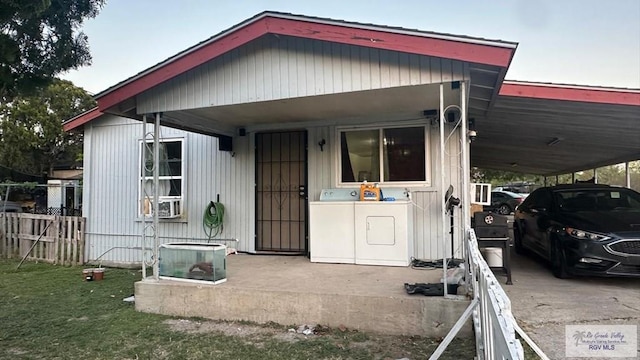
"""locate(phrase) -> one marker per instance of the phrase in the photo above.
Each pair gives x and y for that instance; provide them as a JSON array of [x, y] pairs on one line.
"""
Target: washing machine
[[331, 233]]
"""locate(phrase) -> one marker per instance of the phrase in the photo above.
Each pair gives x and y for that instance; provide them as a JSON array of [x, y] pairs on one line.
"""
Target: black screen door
[[281, 195]]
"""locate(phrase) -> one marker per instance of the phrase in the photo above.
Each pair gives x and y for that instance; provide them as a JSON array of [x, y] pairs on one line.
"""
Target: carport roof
[[551, 129]]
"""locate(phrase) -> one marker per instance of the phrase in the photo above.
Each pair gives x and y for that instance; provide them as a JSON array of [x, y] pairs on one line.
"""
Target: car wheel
[[559, 262], [504, 209], [517, 242]]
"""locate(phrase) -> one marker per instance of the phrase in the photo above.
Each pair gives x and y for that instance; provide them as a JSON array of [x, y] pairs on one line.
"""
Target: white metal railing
[[493, 321]]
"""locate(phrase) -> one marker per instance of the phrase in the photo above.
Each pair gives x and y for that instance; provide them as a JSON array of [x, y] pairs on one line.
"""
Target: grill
[[625, 269], [631, 247]]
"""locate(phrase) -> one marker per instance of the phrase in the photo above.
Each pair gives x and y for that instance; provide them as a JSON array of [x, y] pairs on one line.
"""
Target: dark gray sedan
[[505, 202], [582, 229]]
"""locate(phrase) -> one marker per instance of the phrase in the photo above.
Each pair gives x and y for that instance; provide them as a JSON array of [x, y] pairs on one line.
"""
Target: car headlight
[[585, 235]]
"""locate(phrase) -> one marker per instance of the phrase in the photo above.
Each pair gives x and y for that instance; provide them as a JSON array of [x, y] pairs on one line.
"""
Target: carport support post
[[465, 194], [466, 168], [142, 195], [156, 194], [627, 175], [443, 207]]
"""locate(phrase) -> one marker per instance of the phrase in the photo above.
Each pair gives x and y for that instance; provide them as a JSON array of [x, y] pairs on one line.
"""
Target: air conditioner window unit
[[167, 209]]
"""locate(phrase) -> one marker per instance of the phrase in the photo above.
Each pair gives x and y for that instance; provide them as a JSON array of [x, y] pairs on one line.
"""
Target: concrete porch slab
[[293, 291]]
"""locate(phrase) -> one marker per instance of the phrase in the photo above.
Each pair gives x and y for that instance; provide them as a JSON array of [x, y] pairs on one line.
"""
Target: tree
[[39, 39], [33, 140], [499, 177]]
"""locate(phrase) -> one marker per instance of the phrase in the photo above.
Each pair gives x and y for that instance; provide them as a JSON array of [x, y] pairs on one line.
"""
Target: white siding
[[111, 173], [320, 174], [428, 224], [111, 192], [273, 68]]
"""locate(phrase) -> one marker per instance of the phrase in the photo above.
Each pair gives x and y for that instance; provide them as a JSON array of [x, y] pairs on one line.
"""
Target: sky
[[585, 42]]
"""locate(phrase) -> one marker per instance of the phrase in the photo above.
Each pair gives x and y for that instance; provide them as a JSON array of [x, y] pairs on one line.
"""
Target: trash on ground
[[306, 329]]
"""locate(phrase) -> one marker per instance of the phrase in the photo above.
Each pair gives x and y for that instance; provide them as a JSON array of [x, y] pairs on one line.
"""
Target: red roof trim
[[81, 119], [182, 64], [421, 45], [450, 49], [582, 94]]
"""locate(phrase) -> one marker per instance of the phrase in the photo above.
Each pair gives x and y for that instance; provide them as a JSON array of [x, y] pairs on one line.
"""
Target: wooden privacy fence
[[49, 238]]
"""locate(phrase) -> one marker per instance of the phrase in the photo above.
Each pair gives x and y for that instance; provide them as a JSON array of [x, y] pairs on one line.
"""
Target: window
[[384, 155], [171, 177], [481, 193], [541, 200]]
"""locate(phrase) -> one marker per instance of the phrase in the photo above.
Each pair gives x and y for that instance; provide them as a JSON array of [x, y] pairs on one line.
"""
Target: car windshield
[[614, 199]]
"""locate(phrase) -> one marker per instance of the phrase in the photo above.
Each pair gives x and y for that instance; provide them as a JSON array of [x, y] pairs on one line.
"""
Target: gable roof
[[464, 48]]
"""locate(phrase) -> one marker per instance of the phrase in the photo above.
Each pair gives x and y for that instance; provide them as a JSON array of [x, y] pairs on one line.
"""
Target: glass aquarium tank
[[194, 262]]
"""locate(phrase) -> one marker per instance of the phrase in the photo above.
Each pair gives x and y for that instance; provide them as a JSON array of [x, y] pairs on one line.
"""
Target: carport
[[550, 129]]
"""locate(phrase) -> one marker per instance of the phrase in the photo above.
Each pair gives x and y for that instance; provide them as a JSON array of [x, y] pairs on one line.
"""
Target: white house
[[265, 115]]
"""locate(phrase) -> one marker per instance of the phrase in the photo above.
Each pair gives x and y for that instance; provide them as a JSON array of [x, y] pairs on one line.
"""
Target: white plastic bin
[[493, 256]]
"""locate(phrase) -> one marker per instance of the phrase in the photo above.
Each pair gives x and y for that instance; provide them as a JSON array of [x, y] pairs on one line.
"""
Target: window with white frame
[[171, 177], [383, 155]]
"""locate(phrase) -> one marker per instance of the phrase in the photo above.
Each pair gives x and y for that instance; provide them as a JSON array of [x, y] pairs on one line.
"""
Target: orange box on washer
[[369, 192]]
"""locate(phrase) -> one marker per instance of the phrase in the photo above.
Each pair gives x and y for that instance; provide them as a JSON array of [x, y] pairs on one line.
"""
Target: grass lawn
[[48, 312]]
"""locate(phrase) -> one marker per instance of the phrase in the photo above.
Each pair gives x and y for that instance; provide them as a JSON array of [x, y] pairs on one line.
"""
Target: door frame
[[305, 242]]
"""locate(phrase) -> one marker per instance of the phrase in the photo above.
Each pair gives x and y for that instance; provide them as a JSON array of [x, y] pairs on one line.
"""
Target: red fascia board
[[182, 64], [421, 45], [81, 119], [571, 94], [450, 49]]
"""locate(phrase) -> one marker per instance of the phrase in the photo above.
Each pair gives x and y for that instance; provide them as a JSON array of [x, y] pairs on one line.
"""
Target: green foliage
[[32, 137], [610, 175], [498, 177], [39, 39]]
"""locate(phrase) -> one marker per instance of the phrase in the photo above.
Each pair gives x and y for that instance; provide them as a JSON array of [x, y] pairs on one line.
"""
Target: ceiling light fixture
[[554, 141]]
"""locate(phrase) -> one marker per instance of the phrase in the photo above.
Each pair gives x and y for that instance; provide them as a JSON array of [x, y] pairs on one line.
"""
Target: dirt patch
[[227, 328], [253, 334], [15, 351], [84, 318], [378, 345]]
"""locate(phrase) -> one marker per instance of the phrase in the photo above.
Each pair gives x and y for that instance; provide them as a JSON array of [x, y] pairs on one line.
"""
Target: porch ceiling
[[372, 104], [515, 136]]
